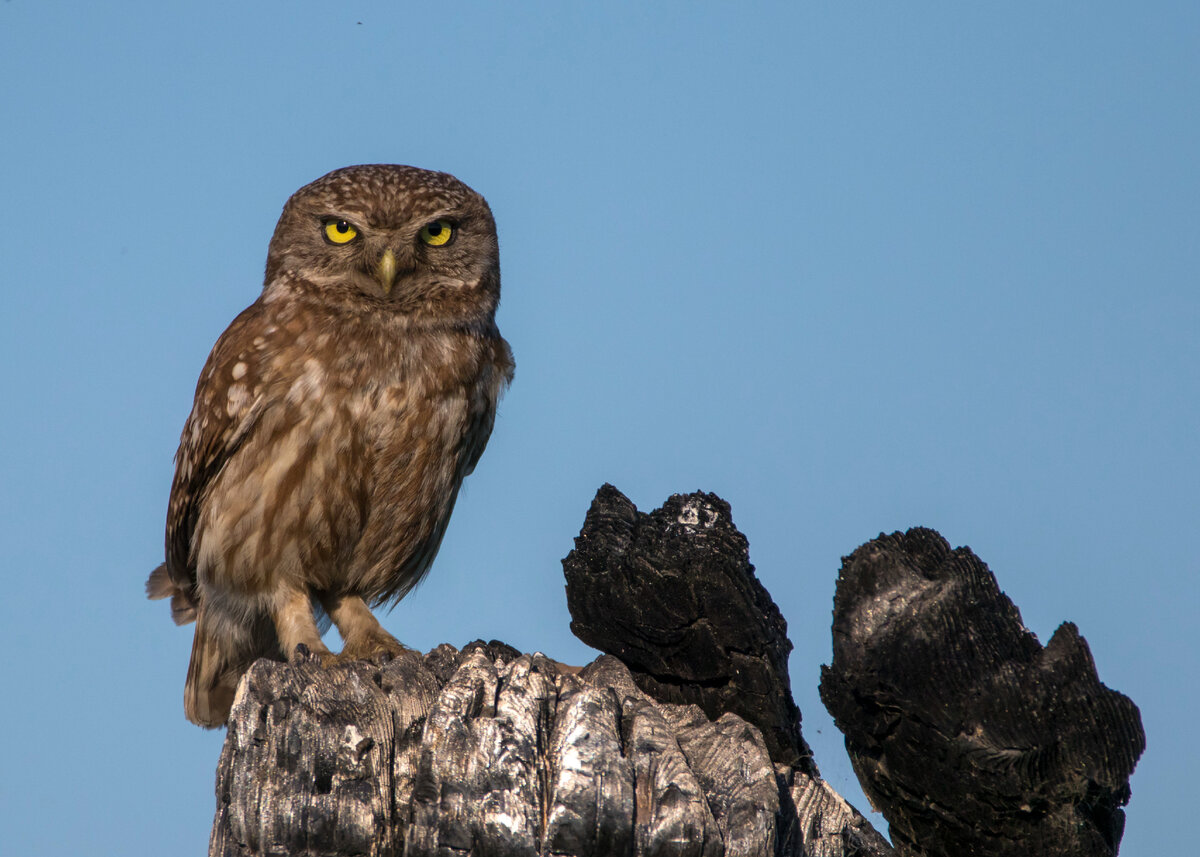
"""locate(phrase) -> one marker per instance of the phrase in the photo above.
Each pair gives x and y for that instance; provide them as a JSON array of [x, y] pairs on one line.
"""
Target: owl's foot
[[296, 628], [302, 654], [380, 646], [379, 651], [364, 637]]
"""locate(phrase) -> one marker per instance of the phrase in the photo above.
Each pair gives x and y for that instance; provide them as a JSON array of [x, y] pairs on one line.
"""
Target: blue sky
[[854, 267]]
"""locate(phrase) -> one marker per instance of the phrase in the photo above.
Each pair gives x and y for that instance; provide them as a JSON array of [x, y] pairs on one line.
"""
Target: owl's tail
[[183, 598], [222, 651]]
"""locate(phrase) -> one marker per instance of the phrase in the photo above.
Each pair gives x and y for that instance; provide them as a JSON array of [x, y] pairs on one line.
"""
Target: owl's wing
[[497, 374], [229, 402]]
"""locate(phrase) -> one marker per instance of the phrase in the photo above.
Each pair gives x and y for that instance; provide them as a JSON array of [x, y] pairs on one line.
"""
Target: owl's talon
[[302, 654], [377, 648]]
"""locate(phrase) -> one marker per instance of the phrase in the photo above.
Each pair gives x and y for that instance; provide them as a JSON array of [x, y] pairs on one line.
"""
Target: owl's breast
[[288, 505], [422, 425], [348, 479]]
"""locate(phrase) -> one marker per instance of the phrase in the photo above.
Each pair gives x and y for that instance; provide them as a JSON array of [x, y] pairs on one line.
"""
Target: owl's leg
[[361, 632], [296, 625]]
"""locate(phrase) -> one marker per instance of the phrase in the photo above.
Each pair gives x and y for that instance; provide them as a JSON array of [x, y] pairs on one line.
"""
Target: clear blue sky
[[854, 267]]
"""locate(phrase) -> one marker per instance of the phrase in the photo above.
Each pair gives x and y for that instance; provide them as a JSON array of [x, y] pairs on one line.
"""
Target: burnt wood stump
[[486, 751], [968, 735], [683, 739], [673, 595]]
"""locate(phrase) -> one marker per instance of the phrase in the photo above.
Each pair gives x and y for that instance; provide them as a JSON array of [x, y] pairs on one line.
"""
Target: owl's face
[[404, 240]]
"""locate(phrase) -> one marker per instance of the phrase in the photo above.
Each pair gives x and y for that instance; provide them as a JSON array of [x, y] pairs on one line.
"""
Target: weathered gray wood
[[501, 757], [818, 822], [672, 815], [307, 762], [729, 759], [591, 780]]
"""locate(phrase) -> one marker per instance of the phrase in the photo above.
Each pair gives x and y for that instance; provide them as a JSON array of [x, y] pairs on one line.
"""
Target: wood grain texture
[[672, 594], [967, 734], [504, 756]]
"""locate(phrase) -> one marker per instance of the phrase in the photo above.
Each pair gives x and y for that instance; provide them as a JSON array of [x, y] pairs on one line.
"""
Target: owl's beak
[[386, 271]]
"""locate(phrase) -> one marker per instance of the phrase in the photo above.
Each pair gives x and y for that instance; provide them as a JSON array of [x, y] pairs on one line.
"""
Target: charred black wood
[[967, 734], [673, 595]]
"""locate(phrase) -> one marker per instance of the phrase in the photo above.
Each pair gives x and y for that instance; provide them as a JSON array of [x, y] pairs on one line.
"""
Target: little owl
[[333, 424]]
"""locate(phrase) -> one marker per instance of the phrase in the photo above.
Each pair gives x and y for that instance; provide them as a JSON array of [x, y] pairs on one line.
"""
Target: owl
[[333, 424]]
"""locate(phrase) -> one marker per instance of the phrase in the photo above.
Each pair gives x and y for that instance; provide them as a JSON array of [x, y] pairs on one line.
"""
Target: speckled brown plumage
[[333, 424]]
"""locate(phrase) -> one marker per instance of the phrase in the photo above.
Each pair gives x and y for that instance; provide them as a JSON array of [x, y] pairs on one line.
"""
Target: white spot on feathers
[[309, 385], [238, 399]]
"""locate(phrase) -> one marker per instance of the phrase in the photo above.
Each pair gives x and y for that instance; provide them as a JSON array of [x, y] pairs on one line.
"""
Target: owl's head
[[402, 239]]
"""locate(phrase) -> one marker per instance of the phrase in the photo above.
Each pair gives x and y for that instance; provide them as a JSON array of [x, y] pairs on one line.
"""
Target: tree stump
[[683, 739], [487, 751]]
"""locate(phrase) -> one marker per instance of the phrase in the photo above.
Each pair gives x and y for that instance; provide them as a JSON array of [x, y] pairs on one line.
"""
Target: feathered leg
[[362, 635], [296, 625]]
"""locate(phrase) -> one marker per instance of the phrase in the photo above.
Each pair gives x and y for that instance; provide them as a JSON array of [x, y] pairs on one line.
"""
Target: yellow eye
[[438, 233], [340, 231]]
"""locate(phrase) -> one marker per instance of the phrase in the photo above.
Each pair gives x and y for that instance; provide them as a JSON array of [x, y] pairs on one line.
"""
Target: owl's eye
[[339, 231], [438, 233]]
